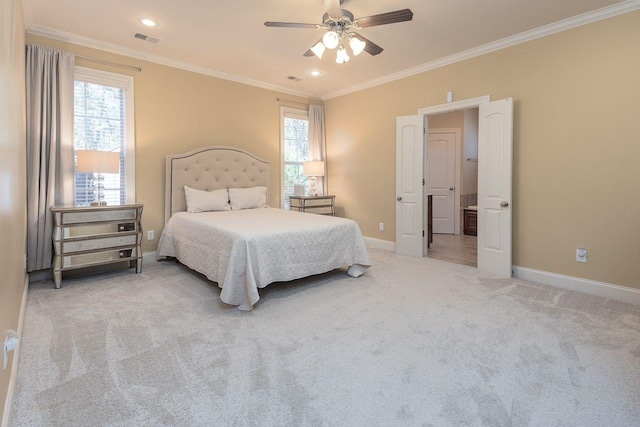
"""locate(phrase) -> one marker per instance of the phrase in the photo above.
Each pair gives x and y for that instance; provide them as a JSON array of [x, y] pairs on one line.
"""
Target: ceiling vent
[[294, 78], [146, 37]]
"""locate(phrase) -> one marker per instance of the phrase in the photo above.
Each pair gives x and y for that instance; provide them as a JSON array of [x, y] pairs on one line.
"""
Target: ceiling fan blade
[[333, 8], [371, 48], [290, 25], [385, 18]]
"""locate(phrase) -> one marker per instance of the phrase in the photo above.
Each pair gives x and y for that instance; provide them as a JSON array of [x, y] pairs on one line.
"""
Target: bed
[[244, 250]]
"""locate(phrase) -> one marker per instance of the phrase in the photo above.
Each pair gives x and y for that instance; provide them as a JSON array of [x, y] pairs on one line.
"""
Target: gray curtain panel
[[317, 143], [50, 164]]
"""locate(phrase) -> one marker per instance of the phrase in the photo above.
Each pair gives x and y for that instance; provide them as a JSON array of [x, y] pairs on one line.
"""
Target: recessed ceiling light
[[148, 22], [315, 73]]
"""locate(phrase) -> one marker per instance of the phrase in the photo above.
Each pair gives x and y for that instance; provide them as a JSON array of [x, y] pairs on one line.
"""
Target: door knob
[[504, 204], [399, 198], [452, 188]]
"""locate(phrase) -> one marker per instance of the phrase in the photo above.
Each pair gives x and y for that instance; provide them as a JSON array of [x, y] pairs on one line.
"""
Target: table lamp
[[313, 169], [92, 161]]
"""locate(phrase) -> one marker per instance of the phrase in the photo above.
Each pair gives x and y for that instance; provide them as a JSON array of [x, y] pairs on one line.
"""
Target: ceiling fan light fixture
[[357, 45], [318, 49], [331, 39], [342, 56]]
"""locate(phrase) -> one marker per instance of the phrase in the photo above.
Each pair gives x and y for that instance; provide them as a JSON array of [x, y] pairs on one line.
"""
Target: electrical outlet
[[10, 344], [382, 226], [581, 255], [151, 234]]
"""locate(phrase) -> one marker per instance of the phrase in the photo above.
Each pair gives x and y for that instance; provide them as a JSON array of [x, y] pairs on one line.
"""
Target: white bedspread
[[245, 250]]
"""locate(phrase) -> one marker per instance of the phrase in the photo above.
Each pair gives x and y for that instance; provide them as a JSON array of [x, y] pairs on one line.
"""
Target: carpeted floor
[[412, 342]]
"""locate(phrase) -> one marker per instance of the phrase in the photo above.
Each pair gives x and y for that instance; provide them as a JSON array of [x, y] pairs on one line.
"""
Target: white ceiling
[[228, 37]]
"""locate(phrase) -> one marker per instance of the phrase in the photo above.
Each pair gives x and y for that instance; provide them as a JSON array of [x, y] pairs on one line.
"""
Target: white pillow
[[248, 198], [205, 201]]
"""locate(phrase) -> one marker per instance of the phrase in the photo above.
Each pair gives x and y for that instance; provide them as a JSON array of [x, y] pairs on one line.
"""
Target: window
[[103, 121], [294, 141]]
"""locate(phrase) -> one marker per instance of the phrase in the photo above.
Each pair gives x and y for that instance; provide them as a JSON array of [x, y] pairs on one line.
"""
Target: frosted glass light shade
[[357, 45], [331, 39], [92, 161], [313, 168], [318, 49], [342, 55]]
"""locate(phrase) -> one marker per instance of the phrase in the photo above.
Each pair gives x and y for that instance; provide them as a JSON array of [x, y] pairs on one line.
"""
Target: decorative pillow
[[248, 198], [205, 201]]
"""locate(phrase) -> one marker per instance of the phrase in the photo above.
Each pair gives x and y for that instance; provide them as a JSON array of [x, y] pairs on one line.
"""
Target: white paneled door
[[409, 186], [441, 176], [495, 139]]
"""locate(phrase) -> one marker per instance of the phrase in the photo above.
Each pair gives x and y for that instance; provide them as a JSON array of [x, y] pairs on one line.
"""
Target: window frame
[[292, 113], [124, 82]]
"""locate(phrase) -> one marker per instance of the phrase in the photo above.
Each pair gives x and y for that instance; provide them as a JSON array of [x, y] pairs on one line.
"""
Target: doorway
[[453, 180], [495, 145]]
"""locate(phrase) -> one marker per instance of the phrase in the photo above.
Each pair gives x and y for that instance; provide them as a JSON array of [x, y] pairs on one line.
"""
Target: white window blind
[[101, 123], [295, 143]]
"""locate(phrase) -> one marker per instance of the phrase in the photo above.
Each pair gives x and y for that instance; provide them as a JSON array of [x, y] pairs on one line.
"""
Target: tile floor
[[459, 249]]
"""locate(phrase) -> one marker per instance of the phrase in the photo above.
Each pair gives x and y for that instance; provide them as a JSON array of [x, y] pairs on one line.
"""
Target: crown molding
[[546, 30], [38, 30]]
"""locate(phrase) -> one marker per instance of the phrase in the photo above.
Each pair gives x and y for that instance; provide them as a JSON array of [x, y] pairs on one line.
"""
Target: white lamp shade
[[92, 161], [318, 49], [331, 39], [357, 45], [313, 168], [342, 56]]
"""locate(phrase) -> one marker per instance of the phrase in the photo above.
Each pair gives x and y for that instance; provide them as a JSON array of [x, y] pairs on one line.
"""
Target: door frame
[[450, 107], [457, 106], [456, 167]]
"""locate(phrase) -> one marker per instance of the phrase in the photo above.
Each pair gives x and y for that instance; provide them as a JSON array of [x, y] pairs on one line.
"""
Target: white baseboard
[[601, 289], [13, 378], [380, 244], [149, 258]]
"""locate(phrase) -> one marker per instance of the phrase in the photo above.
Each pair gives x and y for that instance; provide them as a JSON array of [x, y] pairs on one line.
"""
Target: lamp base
[[312, 190], [100, 203]]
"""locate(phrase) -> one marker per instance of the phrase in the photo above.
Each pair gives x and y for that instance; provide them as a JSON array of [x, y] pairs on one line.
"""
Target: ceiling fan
[[340, 27]]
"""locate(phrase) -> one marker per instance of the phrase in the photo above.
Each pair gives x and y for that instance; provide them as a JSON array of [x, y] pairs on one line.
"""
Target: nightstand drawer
[[319, 201], [321, 210], [96, 258], [97, 216], [95, 244], [88, 229]]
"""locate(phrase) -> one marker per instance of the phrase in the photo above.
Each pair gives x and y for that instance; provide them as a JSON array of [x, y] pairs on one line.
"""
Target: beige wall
[[12, 176], [177, 111], [576, 145]]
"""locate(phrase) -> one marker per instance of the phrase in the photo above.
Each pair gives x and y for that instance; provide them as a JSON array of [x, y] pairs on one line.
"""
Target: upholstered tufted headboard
[[211, 168]]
